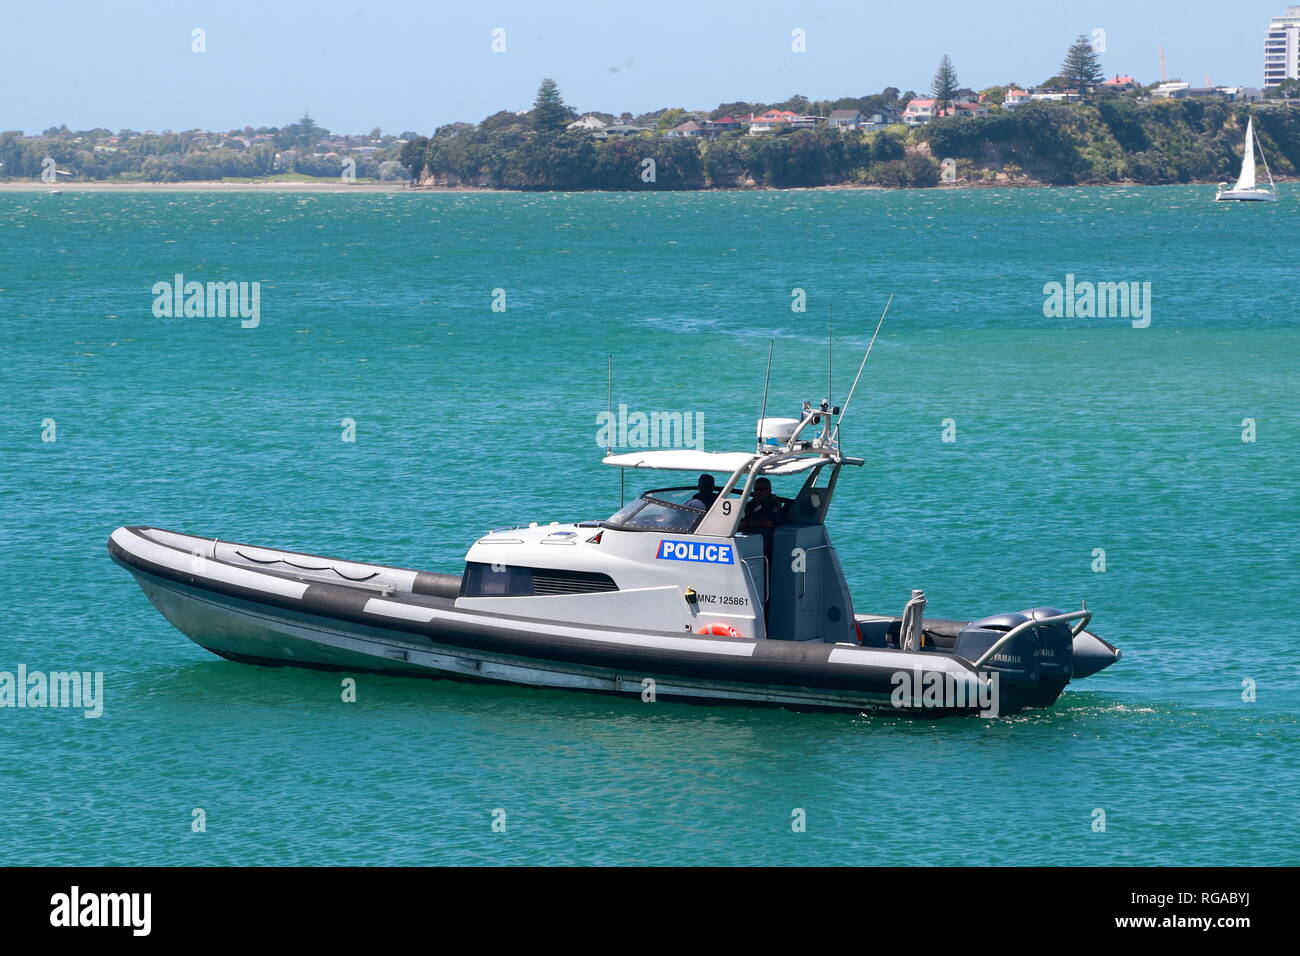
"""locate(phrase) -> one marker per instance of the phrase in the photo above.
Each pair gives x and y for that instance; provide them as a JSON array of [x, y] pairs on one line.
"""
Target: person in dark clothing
[[705, 493], [762, 512]]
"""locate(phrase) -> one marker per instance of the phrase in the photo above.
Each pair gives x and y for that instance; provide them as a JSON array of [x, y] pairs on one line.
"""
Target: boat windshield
[[662, 509]]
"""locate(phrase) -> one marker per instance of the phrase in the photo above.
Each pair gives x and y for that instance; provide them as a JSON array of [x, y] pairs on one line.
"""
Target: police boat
[[681, 595]]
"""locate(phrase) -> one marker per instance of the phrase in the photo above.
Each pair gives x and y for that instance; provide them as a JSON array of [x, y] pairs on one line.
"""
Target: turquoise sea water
[[1072, 435]]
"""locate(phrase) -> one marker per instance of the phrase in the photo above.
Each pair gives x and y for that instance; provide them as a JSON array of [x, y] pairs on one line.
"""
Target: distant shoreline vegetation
[[301, 150], [999, 136], [1109, 137]]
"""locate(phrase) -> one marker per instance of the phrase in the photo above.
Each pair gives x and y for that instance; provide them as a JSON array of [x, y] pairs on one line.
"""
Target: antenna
[[870, 346], [609, 406], [1164, 76], [609, 394], [830, 394], [762, 412]]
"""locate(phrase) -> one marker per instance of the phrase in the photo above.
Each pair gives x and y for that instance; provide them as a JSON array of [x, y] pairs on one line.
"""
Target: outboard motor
[[1055, 657], [1017, 665], [1035, 667]]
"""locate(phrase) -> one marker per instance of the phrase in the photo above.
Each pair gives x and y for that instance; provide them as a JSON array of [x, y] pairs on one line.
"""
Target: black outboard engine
[[1034, 668], [1015, 664], [1055, 657]]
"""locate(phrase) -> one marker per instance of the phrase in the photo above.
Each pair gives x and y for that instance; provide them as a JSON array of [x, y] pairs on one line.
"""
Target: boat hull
[[1245, 196], [250, 615], [255, 634]]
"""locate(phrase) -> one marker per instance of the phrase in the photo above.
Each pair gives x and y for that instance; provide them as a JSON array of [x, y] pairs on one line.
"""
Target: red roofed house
[[920, 112], [1118, 82], [723, 124], [1014, 98], [766, 122], [970, 110]]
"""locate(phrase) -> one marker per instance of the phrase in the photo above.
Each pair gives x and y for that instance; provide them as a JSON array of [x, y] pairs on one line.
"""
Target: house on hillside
[[920, 112], [1118, 83], [1054, 96], [590, 123], [1233, 94], [625, 129], [1241, 94], [771, 120], [1014, 98], [723, 124], [845, 119], [856, 119], [691, 128], [884, 116]]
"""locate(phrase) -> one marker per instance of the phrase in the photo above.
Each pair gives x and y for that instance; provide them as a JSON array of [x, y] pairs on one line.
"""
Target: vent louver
[[547, 581]]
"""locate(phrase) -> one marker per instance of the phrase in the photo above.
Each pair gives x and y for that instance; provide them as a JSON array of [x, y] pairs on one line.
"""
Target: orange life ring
[[718, 630]]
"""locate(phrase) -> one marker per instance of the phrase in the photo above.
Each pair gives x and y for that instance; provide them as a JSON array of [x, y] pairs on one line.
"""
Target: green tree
[[1082, 66], [944, 86], [724, 162], [618, 165], [501, 119], [669, 118], [412, 155], [303, 134], [883, 147], [564, 160], [549, 114], [922, 171], [739, 109]]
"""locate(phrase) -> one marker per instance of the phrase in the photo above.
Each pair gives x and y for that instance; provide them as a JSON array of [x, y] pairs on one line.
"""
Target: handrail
[[1084, 616]]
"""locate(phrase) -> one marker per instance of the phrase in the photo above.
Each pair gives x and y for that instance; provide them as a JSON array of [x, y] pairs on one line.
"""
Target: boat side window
[[496, 580], [500, 580]]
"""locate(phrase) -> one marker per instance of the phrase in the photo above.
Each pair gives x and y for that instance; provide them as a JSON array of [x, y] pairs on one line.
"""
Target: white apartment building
[[1282, 48]]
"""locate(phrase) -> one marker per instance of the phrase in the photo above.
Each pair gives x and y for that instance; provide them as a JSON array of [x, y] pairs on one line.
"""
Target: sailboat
[[1245, 188]]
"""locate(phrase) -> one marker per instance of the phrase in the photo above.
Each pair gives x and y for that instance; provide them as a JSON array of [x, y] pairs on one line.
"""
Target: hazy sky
[[407, 64]]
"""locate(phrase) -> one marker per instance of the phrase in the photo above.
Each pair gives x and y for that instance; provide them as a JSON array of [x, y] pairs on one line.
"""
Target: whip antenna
[[870, 346], [609, 406], [762, 412]]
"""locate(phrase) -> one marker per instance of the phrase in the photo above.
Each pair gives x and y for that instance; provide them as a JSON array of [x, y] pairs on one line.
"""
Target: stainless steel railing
[[1083, 616]]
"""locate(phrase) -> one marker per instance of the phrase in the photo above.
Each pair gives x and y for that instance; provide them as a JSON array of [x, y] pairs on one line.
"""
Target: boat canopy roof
[[726, 462]]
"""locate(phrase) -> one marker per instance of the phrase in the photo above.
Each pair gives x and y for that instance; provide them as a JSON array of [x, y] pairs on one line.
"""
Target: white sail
[[1247, 178]]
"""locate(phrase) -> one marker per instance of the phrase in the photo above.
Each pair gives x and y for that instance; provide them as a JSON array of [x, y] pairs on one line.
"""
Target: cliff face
[[1113, 139], [1116, 139]]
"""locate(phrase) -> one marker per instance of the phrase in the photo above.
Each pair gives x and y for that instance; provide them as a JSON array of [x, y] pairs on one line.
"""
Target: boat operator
[[705, 493], [762, 512]]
